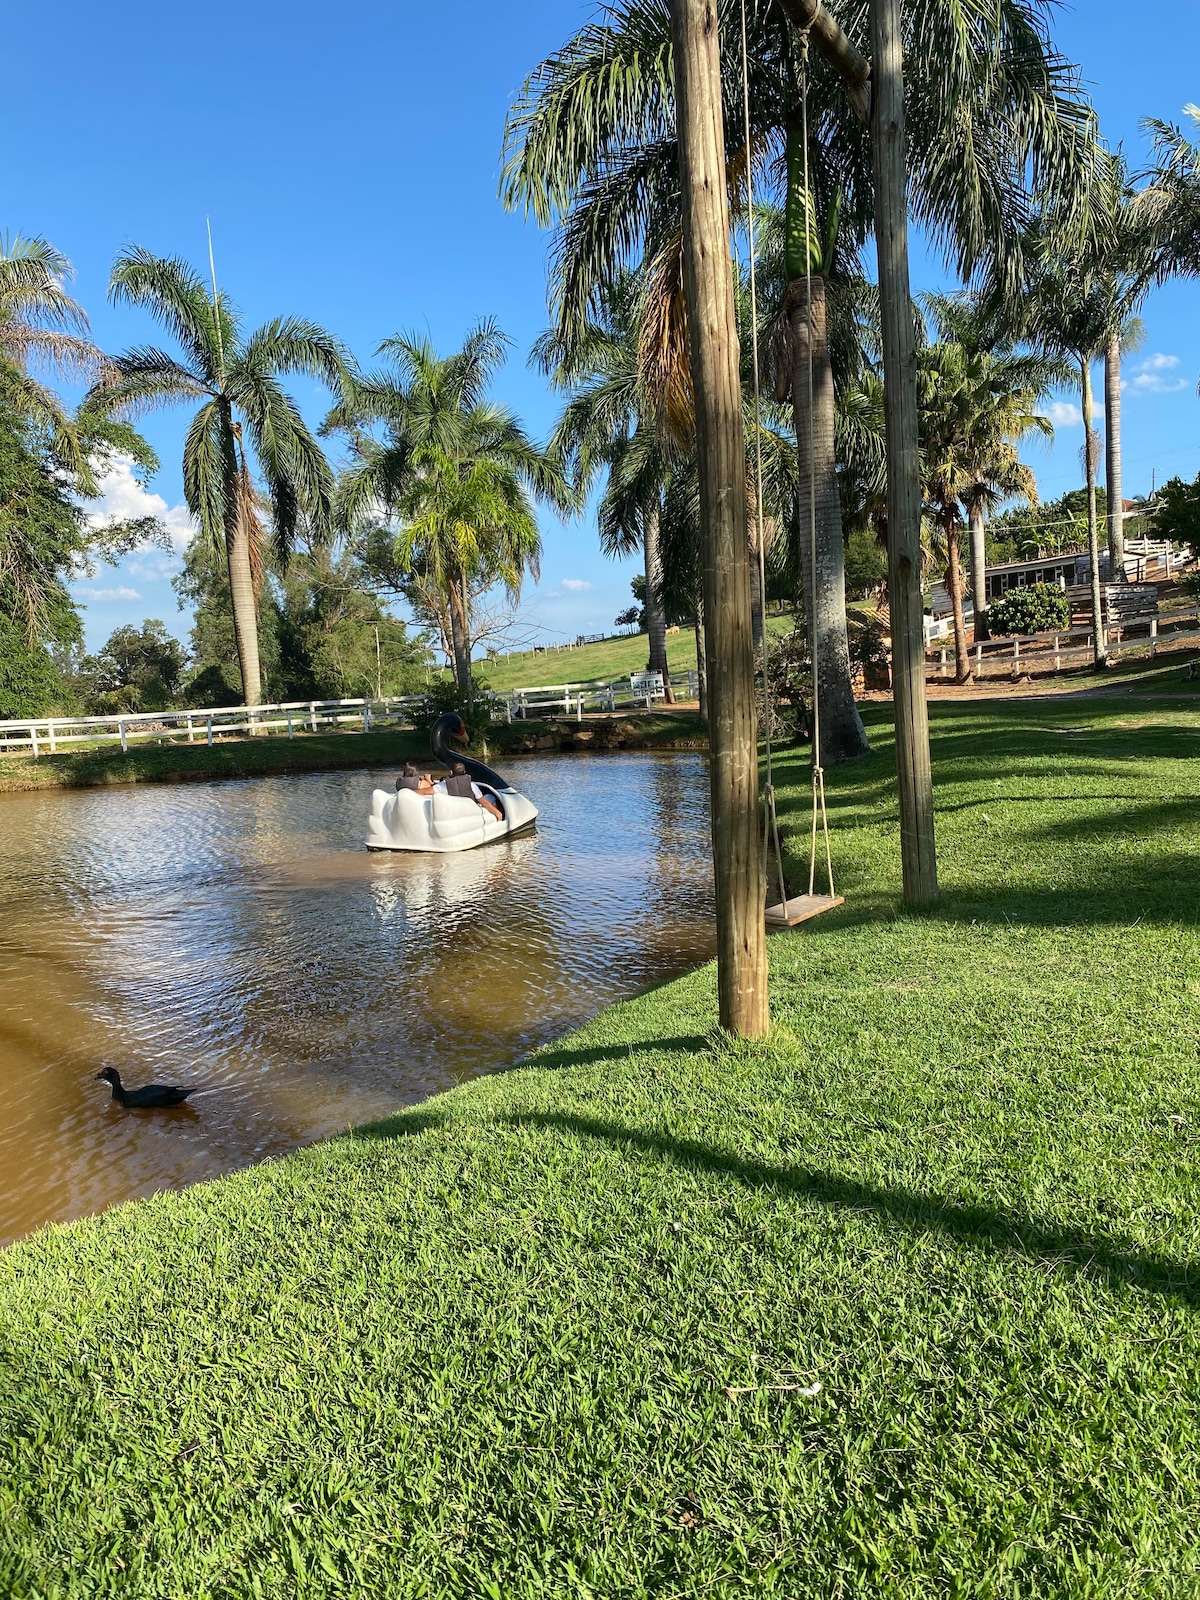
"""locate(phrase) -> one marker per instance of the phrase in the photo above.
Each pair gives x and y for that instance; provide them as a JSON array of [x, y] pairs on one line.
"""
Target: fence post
[[366, 718], [33, 741], [210, 728], [291, 734], [312, 715], [942, 667], [1016, 658], [1057, 658], [979, 661], [1153, 636], [191, 730], [50, 731], [124, 740]]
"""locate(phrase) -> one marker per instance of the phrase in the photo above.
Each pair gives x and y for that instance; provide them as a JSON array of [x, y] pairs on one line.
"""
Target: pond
[[238, 936]]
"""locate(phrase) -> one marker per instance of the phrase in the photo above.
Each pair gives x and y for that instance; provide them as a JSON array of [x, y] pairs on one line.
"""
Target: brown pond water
[[238, 936]]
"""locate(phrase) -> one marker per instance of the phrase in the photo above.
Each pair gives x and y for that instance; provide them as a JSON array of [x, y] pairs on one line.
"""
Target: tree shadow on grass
[[1114, 1262]]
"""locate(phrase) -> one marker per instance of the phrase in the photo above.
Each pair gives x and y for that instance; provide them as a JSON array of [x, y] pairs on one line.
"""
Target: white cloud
[[123, 499], [574, 585], [112, 594], [1155, 375], [1063, 414]]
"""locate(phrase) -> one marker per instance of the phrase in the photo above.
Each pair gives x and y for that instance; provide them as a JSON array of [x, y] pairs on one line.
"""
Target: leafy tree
[[138, 669], [1177, 516], [336, 640], [866, 564], [455, 474], [245, 416], [43, 540]]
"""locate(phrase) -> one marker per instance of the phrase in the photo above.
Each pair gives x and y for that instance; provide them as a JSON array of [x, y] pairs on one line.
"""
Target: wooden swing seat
[[800, 908]]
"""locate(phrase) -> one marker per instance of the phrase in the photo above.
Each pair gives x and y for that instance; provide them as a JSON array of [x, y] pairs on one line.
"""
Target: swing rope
[[771, 833]]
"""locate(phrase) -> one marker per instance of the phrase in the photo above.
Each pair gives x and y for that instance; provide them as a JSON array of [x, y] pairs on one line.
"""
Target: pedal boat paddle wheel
[[442, 823]]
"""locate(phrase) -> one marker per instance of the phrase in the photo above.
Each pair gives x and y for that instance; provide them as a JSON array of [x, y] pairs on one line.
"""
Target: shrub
[[1037, 608], [443, 695]]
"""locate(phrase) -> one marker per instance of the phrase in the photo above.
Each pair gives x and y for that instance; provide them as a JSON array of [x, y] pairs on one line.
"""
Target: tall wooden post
[[720, 449], [917, 851]]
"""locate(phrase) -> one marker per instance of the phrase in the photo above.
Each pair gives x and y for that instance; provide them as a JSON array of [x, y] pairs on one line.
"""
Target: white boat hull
[[443, 823]]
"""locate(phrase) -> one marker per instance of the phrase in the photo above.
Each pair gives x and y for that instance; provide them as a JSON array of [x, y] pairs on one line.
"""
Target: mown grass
[[541, 1337], [606, 659]]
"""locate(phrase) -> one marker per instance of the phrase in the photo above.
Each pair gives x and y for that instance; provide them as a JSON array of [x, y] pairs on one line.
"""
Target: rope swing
[[786, 912]]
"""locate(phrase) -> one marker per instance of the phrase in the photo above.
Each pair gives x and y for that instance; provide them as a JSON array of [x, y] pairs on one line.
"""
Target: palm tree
[[1073, 303], [1170, 204], [455, 472], [609, 424], [41, 325], [244, 417], [978, 398], [994, 113]]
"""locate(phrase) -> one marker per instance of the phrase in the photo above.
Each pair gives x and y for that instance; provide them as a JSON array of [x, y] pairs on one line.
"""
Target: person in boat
[[465, 788], [411, 778]]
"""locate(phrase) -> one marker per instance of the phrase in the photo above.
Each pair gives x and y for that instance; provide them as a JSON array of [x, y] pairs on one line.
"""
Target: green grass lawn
[[902, 1302], [608, 660]]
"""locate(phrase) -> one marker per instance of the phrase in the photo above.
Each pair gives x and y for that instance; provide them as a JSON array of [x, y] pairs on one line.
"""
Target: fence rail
[[290, 717], [1010, 656], [48, 735]]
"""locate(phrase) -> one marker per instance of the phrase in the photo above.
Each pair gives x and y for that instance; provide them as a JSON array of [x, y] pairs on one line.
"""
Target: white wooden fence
[[48, 735], [297, 716], [601, 694], [1010, 656]]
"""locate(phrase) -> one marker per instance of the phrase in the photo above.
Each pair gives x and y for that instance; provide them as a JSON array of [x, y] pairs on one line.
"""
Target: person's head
[[459, 770], [410, 770]]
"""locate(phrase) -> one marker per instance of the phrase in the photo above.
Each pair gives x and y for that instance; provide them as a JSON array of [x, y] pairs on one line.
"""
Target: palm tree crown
[[244, 415], [454, 471]]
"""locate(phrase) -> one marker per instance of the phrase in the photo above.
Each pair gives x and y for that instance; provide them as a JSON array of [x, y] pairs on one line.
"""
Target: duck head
[[109, 1075]]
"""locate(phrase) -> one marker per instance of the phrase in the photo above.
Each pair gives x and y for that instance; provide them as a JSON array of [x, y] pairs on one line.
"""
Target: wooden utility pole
[[720, 450], [917, 852]]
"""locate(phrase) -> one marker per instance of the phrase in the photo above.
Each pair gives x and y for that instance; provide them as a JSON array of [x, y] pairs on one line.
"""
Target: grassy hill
[[898, 1303], [609, 659]]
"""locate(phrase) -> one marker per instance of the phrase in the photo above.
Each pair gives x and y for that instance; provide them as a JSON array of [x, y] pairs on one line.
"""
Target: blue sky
[[348, 157]]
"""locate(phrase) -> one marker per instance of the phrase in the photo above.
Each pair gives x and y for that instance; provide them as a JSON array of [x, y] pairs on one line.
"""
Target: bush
[[1037, 608], [443, 695]]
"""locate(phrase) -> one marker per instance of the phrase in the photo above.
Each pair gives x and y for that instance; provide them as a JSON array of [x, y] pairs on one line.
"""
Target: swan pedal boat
[[441, 823]]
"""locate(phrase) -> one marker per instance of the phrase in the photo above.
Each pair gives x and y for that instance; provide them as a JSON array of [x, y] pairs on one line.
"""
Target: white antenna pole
[[212, 267]]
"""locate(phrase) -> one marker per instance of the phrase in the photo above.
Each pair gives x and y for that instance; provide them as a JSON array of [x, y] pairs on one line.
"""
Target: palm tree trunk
[[1099, 642], [1112, 459], [656, 616], [979, 570], [244, 603], [962, 656], [460, 636], [842, 734]]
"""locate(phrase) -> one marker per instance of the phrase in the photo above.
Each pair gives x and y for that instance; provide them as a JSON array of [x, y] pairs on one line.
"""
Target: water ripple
[[237, 935]]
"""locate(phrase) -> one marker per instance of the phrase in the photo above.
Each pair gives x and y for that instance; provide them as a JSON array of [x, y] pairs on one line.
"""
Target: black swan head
[[109, 1075], [451, 725]]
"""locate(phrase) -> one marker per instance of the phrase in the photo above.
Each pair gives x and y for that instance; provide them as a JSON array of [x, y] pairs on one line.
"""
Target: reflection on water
[[238, 936]]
